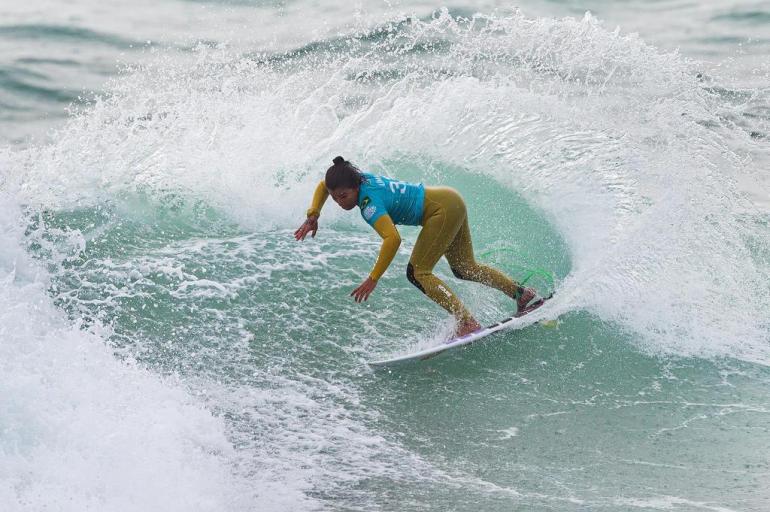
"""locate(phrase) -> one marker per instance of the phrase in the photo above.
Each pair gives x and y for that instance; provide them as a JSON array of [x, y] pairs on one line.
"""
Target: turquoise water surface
[[168, 345]]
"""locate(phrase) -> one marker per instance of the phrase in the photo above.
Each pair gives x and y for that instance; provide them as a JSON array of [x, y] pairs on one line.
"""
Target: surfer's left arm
[[391, 241]]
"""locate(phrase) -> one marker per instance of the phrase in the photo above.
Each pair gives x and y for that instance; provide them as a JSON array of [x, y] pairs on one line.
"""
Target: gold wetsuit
[[445, 232]]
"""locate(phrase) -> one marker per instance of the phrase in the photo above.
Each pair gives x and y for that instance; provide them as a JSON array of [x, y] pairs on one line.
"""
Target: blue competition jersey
[[380, 195]]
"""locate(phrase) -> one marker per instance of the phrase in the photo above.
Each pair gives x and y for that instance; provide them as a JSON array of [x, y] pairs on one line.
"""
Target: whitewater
[[167, 344]]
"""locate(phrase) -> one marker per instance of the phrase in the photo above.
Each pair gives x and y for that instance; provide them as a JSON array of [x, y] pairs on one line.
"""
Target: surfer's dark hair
[[343, 174]]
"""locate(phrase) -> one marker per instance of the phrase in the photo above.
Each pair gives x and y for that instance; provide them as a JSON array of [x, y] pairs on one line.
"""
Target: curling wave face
[[160, 218], [618, 145]]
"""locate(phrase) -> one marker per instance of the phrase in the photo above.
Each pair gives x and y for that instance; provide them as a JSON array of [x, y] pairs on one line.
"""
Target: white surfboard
[[513, 322]]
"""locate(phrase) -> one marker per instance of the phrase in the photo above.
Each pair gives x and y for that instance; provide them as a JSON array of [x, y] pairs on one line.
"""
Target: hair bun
[[338, 160]]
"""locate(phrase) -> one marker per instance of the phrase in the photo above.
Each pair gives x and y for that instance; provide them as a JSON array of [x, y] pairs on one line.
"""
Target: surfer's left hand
[[364, 290]]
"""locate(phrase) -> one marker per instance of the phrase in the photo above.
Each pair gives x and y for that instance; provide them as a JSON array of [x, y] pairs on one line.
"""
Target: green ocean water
[[168, 345], [568, 417]]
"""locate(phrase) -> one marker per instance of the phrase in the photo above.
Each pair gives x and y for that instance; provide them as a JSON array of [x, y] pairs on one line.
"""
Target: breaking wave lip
[[587, 123], [617, 143]]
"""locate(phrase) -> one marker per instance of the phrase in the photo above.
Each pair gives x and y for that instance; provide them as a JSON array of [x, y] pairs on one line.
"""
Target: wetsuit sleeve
[[319, 198], [391, 240]]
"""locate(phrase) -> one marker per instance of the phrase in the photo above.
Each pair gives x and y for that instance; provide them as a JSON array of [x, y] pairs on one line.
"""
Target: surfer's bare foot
[[527, 294], [467, 327]]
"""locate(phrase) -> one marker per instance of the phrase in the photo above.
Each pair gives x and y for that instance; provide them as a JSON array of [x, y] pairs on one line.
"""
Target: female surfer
[[440, 211]]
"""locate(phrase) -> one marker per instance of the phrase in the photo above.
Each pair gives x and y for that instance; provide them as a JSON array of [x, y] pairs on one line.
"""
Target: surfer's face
[[347, 198]]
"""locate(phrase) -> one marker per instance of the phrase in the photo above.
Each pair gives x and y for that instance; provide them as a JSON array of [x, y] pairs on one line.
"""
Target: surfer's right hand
[[310, 225]]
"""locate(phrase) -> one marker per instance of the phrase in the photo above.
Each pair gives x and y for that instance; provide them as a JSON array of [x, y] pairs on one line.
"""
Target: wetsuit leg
[[443, 216], [459, 254]]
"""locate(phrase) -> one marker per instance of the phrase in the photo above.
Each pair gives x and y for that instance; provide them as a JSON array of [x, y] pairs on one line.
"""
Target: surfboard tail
[[532, 306]]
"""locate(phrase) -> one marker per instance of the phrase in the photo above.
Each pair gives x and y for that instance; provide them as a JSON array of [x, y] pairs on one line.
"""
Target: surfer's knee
[[412, 279], [467, 272], [459, 272]]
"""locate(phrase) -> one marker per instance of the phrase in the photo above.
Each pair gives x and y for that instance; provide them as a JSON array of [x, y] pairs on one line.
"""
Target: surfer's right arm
[[311, 223]]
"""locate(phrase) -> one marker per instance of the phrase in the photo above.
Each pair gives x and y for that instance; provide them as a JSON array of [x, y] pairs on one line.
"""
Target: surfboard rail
[[513, 322]]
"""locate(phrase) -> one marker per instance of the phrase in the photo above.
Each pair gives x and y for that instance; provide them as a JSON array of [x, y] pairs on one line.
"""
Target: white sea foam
[[83, 430], [614, 142]]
